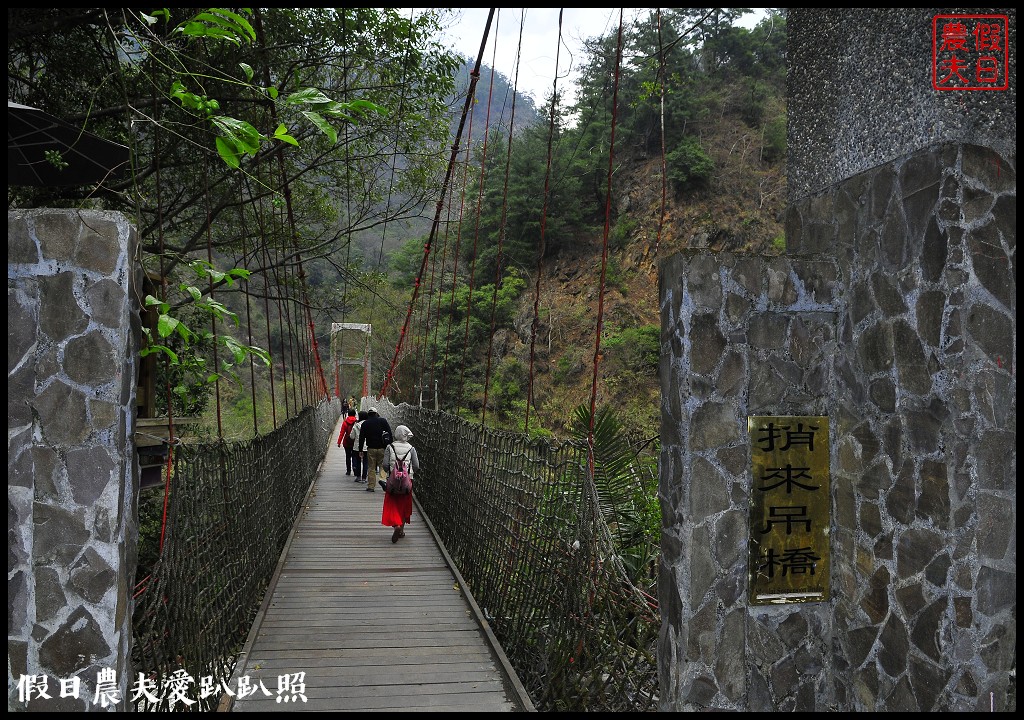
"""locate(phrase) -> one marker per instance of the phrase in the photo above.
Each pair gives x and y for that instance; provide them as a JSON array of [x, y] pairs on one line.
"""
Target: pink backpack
[[399, 479]]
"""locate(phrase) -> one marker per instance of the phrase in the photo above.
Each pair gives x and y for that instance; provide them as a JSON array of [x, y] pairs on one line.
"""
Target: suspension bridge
[[269, 584], [372, 625], [506, 593], [277, 588]]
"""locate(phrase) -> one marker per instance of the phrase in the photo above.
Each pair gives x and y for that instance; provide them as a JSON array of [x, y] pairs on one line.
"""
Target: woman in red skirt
[[398, 508]]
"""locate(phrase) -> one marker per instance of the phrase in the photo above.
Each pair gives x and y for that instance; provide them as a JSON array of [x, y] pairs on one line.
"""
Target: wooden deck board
[[375, 626]]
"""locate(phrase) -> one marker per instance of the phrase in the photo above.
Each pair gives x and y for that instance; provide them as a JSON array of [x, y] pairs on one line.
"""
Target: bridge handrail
[[520, 517], [230, 508]]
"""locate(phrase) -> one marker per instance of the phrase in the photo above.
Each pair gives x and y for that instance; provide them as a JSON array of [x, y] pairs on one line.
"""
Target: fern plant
[[627, 495]]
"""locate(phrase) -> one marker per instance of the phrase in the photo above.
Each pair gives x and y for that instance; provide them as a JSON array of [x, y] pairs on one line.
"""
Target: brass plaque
[[789, 509]]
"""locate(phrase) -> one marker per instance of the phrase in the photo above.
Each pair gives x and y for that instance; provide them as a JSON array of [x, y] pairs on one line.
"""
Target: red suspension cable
[[479, 204], [604, 252], [455, 265], [437, 214], [504, 217], [543, 224]]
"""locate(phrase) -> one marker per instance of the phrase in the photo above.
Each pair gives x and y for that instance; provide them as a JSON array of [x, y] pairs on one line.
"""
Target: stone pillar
[[741, 336], [72, 473], [894, 314]]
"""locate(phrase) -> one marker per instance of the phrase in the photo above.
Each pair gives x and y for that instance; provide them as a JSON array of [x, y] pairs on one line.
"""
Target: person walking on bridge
[[347, 442], [398, 508], [358, 456], [374, 436]]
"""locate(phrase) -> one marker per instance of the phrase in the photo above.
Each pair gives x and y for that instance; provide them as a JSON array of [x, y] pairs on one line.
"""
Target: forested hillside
[[310, 146], [723, 159]]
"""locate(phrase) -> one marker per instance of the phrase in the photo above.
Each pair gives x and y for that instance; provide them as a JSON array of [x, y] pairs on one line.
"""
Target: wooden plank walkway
[[375, 626]]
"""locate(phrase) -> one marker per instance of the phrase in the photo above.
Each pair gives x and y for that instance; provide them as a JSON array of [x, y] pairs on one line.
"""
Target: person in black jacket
[[374, 437]]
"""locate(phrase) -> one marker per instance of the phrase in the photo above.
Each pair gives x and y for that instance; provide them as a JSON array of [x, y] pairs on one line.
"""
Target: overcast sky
[[540, 42]]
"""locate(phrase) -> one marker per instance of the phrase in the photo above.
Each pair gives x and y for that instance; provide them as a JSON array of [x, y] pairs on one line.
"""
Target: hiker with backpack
[[346, 438], [400, 460]]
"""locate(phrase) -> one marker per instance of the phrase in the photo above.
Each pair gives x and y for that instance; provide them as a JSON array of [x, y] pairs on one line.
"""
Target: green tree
[[268, 140]]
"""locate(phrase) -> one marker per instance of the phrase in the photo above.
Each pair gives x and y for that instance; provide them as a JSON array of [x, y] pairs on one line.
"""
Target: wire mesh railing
[[519, 517], [521, 520], [230, 509]]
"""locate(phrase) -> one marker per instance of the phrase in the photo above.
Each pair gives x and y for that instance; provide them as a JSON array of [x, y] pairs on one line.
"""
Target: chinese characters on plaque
[[789, 509], [970, 52]]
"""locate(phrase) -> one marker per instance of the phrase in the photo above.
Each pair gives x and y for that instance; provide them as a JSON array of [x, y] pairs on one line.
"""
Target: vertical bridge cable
[[440, 292], [504, 217], [391, 187], [248, 310], [440, 205], [604, 254], [171, 441], [423, 324], [284, 318], [348, 207], [213, 317], [286, 187], [543, 223], [479, 210], [264, 262], [475, 76], [262, 258]]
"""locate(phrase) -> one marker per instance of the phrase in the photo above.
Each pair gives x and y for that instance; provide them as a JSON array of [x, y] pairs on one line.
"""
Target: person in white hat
[[398, 508]]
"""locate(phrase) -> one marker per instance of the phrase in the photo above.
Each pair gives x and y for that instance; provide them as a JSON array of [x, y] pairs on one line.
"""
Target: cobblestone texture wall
[[895, 315], [860, 82], [72, 477]]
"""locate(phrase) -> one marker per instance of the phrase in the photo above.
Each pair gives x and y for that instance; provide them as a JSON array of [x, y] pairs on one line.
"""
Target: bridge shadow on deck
[[374, 626]]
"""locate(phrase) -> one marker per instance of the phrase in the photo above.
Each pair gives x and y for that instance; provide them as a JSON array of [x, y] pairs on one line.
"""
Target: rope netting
[[521, 520], [230, 509]]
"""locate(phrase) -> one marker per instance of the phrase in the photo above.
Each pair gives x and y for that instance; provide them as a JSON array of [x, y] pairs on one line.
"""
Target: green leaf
[[365, 107], [241, 134], [220, 311], [234, 348], [220, 24], [152, 301], [163, 349], [193, 291], [325, 127], [307, 96], [232, 21], [247, 69], [186, 334], [165, 325], [282, 134], [228, 154]]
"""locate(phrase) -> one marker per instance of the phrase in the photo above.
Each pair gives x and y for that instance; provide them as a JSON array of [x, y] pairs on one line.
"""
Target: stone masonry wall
[[895, 315], [924, 462], [741, 336], [72, 477]]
